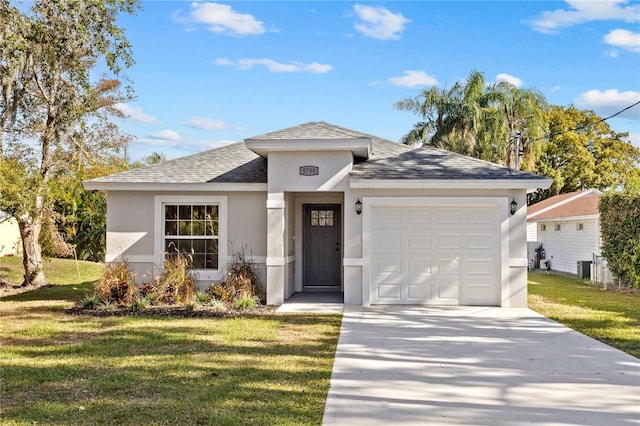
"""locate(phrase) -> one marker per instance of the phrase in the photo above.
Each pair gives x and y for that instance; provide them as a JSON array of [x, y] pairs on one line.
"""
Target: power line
[[587, 125]]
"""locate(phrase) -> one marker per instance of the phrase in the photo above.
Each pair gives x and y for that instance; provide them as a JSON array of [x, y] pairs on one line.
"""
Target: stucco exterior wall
[[130, 228], [568, 245]]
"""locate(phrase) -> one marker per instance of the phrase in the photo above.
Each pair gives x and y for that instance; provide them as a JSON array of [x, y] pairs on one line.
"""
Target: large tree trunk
[[31, 251]]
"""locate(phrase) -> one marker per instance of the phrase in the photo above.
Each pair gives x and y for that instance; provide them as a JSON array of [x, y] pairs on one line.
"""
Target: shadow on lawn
[[70, 292], [155, 372]]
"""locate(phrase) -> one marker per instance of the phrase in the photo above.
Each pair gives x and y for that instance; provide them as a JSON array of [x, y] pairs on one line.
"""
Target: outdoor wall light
[[358, 206], [514, 207]]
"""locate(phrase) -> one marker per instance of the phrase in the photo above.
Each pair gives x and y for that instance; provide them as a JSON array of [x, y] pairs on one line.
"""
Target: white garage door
[[435, 255]]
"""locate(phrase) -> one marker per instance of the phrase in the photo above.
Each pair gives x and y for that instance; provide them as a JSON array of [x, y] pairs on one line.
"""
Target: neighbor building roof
[[573, 204]]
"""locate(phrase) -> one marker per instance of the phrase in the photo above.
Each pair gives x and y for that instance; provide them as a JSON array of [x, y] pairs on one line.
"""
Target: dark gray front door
[[321, 246]]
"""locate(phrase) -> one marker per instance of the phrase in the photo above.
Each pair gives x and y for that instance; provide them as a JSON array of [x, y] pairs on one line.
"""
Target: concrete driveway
[[476, 366]]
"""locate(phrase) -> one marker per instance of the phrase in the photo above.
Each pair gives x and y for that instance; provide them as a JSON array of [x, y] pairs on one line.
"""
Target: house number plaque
[[308, 170]]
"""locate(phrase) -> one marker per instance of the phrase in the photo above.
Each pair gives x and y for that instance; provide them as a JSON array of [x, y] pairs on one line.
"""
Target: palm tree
[[450, 117], [522, 113]]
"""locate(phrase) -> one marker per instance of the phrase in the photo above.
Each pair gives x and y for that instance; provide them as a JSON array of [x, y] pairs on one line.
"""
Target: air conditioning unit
[[545, 264]]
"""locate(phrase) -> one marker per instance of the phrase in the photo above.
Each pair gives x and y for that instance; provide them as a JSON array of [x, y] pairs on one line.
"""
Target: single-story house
[[10, 241], [324, 208], [568, 228]]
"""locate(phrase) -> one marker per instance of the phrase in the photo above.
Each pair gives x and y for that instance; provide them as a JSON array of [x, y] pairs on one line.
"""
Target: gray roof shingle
[[230, 164], [433, 163], [389, 160]]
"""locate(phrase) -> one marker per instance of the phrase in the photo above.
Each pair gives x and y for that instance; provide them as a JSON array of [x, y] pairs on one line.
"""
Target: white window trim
[[221, 201]]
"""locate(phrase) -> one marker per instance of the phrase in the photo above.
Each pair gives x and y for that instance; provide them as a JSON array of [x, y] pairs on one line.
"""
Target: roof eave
[[360, 147], [530, 185], [564, 219], [91, 185]]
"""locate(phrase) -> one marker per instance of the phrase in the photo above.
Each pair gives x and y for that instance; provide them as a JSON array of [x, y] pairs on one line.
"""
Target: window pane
[[211, 246], [185, 212], [184, 246], [212, 227], [170, 245], [211, 261], [199, 212], [184, 227], [198, 227], [212, 212], [171, 227], [170, 212], [199, 246], [198, 261]]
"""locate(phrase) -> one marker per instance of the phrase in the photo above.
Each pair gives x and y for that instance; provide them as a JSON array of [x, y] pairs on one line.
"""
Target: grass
[[57, 271], [62, 369], [609, 316]]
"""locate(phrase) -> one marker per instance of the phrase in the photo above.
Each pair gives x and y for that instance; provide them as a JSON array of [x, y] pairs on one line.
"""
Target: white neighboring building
[[568, 228], [10, 242]]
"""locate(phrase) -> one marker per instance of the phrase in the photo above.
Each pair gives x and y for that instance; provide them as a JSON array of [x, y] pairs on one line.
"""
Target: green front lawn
[[609, 316], [57, 368]]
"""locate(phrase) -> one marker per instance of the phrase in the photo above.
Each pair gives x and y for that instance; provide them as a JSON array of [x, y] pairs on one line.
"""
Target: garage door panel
[[480, 266], [389, 292], [435, 255], [419, 216], [479, 216], [419, 241], [450, 216], [485, 241], [449, 241]]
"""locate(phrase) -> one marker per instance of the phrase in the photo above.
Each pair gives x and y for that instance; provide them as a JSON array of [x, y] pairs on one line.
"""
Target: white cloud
[[378, 22], [623, 39], [634, 139], [274, 66], [222, 19], [165, 135], [204, 123], [413, 78], [608, 102], [509, 79], [554, 89], [135, 114], [581, 11]]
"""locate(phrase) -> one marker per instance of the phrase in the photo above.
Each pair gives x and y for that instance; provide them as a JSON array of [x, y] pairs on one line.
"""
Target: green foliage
[[90, 302], [176, 284], [117, 285], [138, 304], [246, 302], [54, 115], [476, 119], [203, 297], [620, 228], [593, 156]]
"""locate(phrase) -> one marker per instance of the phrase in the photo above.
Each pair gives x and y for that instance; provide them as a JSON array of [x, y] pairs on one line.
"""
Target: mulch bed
[[174, 311]]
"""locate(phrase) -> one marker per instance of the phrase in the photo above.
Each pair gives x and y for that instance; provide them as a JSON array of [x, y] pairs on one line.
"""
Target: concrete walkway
[[476, 366]]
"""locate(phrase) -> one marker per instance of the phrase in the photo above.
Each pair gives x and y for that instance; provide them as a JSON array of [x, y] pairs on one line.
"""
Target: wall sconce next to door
[[514, 207], [359, 206]]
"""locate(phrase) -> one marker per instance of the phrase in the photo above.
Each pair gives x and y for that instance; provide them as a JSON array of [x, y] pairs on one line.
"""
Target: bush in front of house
[[176, 284], [620, 228], [242, 281], [117, 285]]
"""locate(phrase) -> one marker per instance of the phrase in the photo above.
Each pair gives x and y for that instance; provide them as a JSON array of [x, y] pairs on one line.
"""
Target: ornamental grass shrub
[[176, 284], [117, 284]]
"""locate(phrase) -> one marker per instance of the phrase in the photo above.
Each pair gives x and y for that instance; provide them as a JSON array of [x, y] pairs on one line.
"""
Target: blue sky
[[210, 73]]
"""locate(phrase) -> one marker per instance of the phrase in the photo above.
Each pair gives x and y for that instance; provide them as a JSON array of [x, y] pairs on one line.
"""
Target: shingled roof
[[230, 164], [389, 160], [573, 204]]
